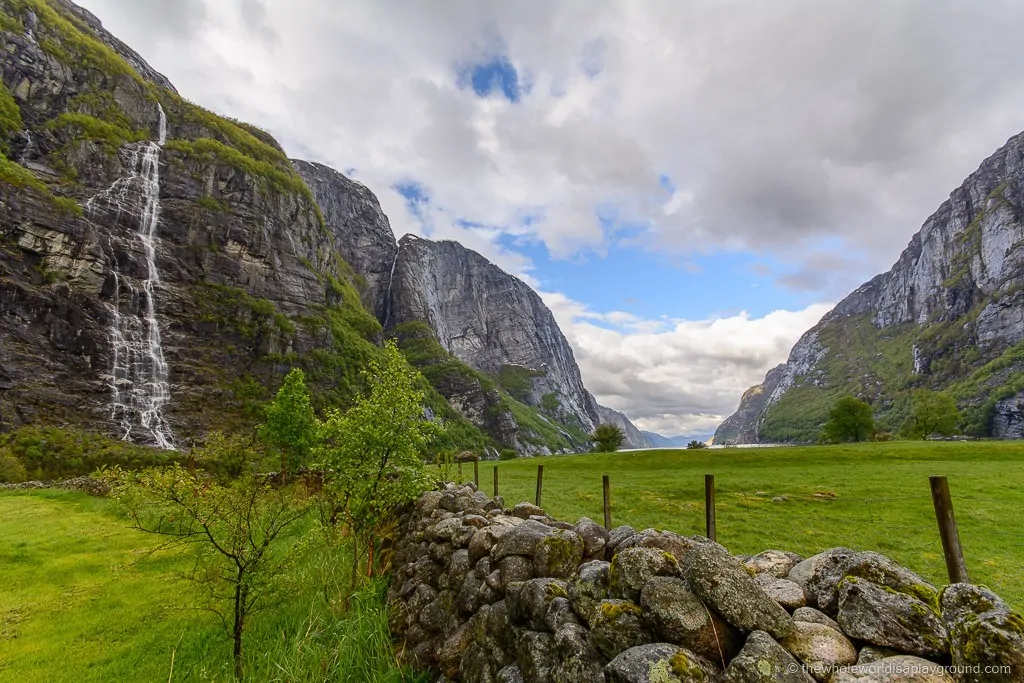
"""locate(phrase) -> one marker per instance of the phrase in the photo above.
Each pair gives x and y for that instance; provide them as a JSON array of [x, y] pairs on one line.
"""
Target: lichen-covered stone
[[762, 660], [617, 625], [659, 663], [666, 541], [618, 535], [882, 616], [899, 669], [528, 601], [482, 542], [820, 575], [773, 563], [588, 587], [872, 653], [510, 674], [633, 567], [678, 616], [594, 536], [449, 657], [788, 594], [521, 540], [821, 648], [558, 555], [813, 616], [576, 657], [526, 510], [535, 655], [515, 568], [882, 571], [724, 585], [984, 631]]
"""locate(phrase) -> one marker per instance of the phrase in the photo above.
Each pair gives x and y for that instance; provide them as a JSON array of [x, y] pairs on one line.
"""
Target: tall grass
[[78, 605]]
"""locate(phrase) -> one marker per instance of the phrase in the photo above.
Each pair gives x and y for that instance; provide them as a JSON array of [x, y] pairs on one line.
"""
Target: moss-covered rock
[[983, 631], [617, 625]]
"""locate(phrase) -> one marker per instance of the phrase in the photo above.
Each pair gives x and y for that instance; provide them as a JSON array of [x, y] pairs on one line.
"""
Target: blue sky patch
[[497, 76]]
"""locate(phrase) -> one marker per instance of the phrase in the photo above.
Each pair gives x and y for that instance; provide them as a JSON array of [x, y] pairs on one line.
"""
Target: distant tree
[[850, 419], [234, 518], [696, 445], [507, 454], [549, 403], [374, 452], [290, 424], [607, 438], [934, 412]]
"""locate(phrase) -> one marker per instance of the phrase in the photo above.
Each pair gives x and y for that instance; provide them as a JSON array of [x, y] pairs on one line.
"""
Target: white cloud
[[680, 376], [778, 122]]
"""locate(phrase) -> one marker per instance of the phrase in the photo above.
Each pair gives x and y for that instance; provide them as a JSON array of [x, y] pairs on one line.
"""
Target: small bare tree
[[231, 516]]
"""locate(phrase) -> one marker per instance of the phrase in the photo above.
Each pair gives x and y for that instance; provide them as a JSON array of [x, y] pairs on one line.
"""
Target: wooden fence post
[[540, 482], [956, 566], [606, 485], [709, 506], [495, 481], [476, 473]]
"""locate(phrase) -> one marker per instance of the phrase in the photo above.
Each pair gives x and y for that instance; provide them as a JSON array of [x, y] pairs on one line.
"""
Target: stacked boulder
[[484, 594]]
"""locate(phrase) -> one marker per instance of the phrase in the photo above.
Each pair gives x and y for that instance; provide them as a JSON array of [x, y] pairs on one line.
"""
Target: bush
[[11, 469], [607, 438], [55, 453], [507, 454], [696, 445]]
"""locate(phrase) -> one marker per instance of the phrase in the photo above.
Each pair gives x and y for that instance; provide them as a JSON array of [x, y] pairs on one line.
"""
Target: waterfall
[[138, 379], [391, 279]]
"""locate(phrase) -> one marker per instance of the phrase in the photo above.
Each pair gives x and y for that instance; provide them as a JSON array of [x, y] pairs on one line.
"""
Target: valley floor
[[80, 602], [882, 499], [78, 605]]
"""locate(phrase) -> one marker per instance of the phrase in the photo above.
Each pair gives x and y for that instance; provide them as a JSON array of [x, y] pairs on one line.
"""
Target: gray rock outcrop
[[956, 288]]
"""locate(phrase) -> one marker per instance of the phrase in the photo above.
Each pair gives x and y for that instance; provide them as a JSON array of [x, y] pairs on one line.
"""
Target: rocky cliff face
[[492, 322], [362, 233], [949, 315], [739, 427], [634, 437], [160, 266]]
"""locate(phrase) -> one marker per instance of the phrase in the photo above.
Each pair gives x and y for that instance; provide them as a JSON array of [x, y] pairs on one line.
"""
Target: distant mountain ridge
[[948, 316]]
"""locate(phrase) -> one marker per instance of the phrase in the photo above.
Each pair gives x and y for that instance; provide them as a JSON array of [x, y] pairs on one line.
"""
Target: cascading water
[[391, 280], [138, 379]]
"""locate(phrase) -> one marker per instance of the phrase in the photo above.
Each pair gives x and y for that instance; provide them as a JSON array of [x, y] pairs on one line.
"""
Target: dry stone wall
[[485, 594]]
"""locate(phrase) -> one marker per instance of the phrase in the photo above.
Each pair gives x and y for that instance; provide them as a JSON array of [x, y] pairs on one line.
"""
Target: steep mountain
[[496, 325], [659, 441], [634, 437], [949, 316], [363, 233], [161, 267]]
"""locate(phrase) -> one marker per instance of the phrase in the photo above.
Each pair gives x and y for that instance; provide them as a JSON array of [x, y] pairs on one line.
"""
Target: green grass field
[[76, 605], [883, 499]]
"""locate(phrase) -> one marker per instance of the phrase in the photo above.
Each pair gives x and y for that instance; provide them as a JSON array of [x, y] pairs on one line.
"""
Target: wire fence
[[905, 527]]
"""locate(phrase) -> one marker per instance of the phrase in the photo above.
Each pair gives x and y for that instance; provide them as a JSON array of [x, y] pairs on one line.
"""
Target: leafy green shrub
[[607, 438], [11, 469], [507, 454], [696, 445], [56, 453]]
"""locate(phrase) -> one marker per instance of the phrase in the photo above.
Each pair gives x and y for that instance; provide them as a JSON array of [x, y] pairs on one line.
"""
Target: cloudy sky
[[689, 184]]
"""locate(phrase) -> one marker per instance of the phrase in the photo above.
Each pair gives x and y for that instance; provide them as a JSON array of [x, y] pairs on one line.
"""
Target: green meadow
[[80, 601], [882, 500], [83, 601]]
